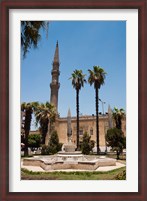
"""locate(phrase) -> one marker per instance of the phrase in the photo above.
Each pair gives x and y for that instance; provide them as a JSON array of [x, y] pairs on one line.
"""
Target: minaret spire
[[55, 78], [56, 56]]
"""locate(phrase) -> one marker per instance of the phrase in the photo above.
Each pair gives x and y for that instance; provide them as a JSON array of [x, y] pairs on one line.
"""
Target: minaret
[[55, 79]]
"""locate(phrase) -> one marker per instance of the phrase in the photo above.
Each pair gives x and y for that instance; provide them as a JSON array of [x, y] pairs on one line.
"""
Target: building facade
[[86, 124]]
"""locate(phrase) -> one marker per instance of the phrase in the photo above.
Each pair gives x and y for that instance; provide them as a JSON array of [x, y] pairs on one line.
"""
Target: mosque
[[86, 123]]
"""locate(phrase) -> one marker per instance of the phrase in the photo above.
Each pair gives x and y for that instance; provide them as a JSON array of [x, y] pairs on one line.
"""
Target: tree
[[92, 144], [78, 80], [45, 115], [28, 109], [54, 145], [116, 139], [30, 34], [96, 78], [118, 115], [86, 145], [34, 140]]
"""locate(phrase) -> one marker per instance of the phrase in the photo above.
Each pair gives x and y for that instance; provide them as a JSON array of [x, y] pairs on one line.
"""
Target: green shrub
[[54, 145], [92, 143], [45, 150], [86, 145], [116, 139], [34, 140], [121, 176]]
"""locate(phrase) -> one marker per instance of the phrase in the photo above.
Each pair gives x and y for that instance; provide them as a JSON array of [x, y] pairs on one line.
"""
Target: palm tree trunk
[[119, 123], [77, 104], [28, 119], [48, 134], [43, 138], [97, 120], [26, 143], [44, 129], [117, 154]]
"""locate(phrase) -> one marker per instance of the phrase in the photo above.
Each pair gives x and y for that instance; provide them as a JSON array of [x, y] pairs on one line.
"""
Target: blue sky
[[82, 44]]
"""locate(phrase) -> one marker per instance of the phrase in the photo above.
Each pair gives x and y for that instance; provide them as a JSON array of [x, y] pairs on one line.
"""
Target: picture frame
[[141, 5]]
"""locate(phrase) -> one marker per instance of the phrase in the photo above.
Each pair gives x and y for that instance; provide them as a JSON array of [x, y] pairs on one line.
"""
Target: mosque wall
[[86, 124]]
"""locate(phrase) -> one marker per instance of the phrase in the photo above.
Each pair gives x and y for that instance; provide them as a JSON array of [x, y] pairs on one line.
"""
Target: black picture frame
[[6, 5]]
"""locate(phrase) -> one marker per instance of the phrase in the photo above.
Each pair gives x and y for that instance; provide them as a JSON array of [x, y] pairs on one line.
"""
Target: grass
[[121, 157], [109, 175]]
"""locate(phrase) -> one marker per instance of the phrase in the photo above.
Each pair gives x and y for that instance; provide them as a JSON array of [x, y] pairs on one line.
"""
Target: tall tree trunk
[[118, 153], [44, 130], [97, 119], [43, 138], [119, 123], [77, 104], [27, 126], [48, 134], [44, 133], [26, 143]]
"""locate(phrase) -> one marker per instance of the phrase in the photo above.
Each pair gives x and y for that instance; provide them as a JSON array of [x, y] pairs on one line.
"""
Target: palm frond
[[96, 76], [78, 79]]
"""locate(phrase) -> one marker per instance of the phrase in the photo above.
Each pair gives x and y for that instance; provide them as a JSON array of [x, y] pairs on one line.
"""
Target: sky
[[82, 45]]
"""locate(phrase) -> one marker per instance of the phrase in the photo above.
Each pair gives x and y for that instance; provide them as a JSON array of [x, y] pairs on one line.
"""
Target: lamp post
[[102, 105], [104, 123]]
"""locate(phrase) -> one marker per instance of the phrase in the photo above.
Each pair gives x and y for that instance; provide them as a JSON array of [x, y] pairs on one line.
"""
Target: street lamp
[[102, 105], [104, 124]]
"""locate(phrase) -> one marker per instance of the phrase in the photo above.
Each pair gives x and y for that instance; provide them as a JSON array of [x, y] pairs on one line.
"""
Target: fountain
[[76, 161], [68, 158]]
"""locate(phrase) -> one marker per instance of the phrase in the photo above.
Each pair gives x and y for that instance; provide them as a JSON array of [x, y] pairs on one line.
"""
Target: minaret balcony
[[55, 85], [55, 71]]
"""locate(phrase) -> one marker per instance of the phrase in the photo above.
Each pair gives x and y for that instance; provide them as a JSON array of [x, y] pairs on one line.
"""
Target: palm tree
[[27, 109], [45, 116], [78, 80], [118, 115], [97, 77], [30, 34]]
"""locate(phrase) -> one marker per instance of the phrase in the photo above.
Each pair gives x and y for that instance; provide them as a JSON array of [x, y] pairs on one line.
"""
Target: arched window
[[81, 132], [91, 131]]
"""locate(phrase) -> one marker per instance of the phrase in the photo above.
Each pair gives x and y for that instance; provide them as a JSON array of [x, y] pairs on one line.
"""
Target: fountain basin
[[71, 161], [70, 147]]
